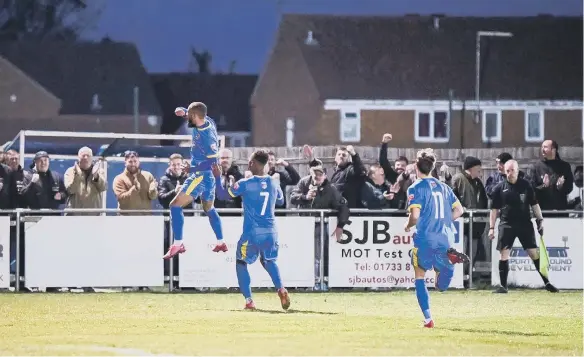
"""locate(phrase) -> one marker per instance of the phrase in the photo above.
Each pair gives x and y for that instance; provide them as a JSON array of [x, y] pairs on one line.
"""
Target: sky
[[244, 30]]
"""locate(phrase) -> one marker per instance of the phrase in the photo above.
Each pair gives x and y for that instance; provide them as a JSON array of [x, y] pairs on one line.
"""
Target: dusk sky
[[244, 30]]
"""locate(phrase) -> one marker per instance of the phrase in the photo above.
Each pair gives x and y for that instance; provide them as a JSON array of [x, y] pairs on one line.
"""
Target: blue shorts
[[437, 259], [200, 183], [264, 246]]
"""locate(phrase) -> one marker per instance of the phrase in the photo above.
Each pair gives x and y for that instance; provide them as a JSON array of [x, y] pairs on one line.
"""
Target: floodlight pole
[[478, 65]]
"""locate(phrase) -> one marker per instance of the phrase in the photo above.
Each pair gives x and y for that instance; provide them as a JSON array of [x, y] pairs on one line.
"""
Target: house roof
[[227, 97], [359, 57], [75, 72]]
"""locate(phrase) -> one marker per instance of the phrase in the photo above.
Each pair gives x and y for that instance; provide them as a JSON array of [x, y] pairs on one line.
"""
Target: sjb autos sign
[[377, 252], [563, 238]]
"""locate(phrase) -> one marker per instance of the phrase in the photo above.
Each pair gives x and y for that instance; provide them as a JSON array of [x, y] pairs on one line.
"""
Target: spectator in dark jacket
[[469, 190], [171, 183], [288, 175], [168, 187], [391, 173], [46, 188], [376, 190], [5, 186], [17, 200], [316, 192], [499, 176], [19, 176], [349, 175], [552, 178], [229, 173]]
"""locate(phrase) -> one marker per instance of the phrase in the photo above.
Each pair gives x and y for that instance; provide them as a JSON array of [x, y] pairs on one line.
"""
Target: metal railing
[[321, 216]]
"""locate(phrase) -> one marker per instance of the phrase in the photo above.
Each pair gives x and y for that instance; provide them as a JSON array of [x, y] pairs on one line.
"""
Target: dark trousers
[[475, 247]]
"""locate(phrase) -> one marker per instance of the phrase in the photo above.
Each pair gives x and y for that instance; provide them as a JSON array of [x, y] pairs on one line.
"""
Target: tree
[[202, 60], [39, 19]]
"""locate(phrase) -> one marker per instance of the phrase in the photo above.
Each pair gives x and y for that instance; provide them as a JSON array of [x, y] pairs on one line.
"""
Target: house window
[[534, 126], [350, 126], [432, 126], [492, 126]]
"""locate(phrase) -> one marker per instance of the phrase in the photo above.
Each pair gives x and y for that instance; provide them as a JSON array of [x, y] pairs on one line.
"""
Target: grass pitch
[[389, 323]]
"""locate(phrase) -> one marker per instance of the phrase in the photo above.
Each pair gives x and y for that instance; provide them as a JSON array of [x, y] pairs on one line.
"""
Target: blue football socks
[[177, 220], [215, 222], [243, 279], [423, 298], [272, 269]]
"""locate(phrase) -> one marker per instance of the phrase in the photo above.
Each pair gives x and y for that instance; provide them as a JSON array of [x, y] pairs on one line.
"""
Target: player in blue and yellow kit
[[200, 183], [433, 208], [260, 194]]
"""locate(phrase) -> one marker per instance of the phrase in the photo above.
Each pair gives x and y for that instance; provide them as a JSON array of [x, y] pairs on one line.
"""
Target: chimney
[[436, 20], [310, 41]]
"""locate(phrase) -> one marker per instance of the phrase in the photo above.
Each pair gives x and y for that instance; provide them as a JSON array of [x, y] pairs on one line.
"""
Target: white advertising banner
[[4, 252], [199, 266], [376, 252], [95, 251], [563, 240]]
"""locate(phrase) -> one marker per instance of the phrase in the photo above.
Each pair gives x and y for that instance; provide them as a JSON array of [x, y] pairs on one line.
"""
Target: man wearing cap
[[499, 176], [85, 182], [44, 189], [134, 188], [316, 192], [469, 189]]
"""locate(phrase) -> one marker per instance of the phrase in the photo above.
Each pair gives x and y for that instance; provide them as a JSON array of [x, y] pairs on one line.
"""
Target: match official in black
[[513, 197]]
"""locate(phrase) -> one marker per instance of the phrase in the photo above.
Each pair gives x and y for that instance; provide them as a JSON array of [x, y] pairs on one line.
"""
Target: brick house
[[74, 87], [349, 79], [226, 95]]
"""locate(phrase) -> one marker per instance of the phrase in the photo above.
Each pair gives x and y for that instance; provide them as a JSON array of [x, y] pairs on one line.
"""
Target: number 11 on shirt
[[439, 204]]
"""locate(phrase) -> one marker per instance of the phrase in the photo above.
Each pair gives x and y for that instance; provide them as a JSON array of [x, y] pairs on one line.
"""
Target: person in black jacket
[[391, 173], [17, 200], [5, 186], [170, 184], [229, 173], [45, 188], [552, 178], [349, 175], [316, 192], [288, 175], [168, 187], [18, 178]]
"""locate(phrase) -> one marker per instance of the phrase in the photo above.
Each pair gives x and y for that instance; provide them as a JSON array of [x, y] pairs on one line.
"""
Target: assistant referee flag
[[544, 259]]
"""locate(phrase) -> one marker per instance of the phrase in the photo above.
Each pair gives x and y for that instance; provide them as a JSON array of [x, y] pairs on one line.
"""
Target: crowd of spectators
[[349, 185]]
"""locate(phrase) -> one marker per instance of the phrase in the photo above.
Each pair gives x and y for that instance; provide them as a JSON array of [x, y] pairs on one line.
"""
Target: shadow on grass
[[290, 311], [498, 332]]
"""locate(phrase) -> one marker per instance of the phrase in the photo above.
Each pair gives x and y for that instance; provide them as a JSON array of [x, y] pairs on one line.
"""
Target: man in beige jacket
[[85, 183], [135, 189]]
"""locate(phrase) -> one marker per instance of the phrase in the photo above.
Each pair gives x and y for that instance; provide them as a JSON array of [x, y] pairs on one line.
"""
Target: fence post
[[17, 258], [171, 260], [470, 255], [323, 235]]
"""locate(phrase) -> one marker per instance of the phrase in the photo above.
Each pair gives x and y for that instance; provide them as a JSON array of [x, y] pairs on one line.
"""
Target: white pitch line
[[116, 350]]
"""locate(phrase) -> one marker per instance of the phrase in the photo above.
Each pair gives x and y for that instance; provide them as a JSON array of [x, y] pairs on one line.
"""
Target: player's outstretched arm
[[181, 112]]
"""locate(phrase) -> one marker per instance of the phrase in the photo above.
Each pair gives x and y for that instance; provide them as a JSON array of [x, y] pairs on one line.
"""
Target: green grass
[[467, 323]]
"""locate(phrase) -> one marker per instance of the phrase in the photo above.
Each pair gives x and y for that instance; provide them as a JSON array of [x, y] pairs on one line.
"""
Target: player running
[[201, 182], [260, 194], [433, 209]]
